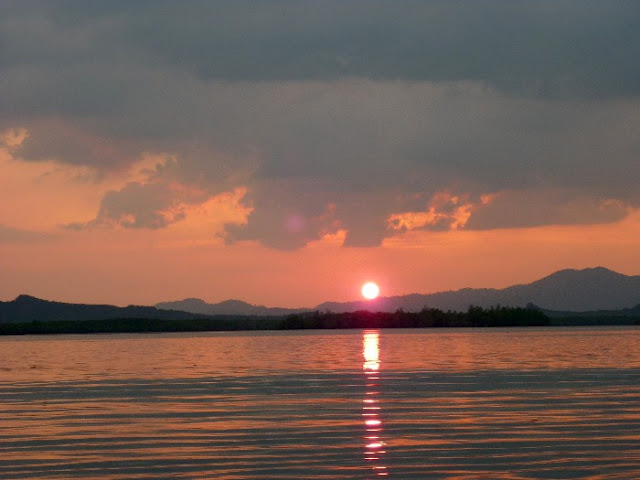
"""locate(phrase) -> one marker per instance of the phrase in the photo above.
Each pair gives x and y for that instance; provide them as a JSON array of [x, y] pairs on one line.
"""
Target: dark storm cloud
[[335, 114], [534, 208], [286, 214], [138, 206], [563, 48]]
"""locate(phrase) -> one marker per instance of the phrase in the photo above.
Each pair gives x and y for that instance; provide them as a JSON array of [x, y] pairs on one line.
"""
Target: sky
[[285, 152]]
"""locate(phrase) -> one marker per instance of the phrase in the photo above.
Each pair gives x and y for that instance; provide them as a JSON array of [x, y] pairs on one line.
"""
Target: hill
[[26, 308], [228, 307], [567, 290], [590, 289], [595, 292]]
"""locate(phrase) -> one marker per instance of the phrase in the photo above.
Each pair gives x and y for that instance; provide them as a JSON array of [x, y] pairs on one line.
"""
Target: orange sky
[[234, 152], [132, 267], [144, 266], [112, 264]]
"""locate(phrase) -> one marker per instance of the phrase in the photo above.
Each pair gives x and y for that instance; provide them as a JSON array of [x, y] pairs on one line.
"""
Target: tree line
[[426, 318], [475, 316]]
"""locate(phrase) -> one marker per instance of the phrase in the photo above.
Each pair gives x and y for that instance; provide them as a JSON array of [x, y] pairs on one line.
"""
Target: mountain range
[[590, 289], [26, 308], [228, 307], [564, 292]]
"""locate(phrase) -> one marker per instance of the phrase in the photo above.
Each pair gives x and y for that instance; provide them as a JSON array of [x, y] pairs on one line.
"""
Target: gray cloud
[[138, 205], [563, 48], [336, 114], [544, 207], [286, 214]]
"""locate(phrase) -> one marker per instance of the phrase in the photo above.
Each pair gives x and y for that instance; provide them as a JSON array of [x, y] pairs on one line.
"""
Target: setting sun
[[370, 290]]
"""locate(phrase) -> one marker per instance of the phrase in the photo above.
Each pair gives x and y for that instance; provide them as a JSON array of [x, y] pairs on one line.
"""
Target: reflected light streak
[[371, 351], [374, 445]]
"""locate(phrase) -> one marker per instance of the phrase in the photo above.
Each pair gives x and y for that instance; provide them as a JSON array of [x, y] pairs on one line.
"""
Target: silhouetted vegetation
[[625, 316], [426, 318]]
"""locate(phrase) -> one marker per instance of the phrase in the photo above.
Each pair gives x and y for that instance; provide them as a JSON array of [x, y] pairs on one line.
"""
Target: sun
[[370, 290]]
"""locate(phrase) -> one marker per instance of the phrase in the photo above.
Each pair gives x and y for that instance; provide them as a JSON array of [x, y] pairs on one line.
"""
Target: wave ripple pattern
[[323, 421]]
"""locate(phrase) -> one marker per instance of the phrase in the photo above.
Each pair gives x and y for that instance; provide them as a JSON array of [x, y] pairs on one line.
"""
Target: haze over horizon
[[283, 153]]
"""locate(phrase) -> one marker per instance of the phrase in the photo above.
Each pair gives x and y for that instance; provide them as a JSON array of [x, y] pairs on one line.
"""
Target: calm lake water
[[547, 403]]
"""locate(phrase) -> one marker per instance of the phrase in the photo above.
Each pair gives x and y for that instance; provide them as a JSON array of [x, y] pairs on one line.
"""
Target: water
[[435, 404]]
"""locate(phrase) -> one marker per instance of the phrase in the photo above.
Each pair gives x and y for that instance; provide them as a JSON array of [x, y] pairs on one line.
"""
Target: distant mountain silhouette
[[590, 289], [26, 308], [624, 312], [228, 307], [593, 291], [567, 290]]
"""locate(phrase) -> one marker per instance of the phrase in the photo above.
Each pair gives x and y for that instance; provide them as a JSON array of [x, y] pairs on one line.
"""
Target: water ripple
[[366, 421]]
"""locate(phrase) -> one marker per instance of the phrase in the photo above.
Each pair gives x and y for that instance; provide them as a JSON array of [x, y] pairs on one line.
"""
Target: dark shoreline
[[474, 317]]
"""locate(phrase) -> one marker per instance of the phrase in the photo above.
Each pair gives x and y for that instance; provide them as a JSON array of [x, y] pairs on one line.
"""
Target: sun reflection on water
[[374, 445]]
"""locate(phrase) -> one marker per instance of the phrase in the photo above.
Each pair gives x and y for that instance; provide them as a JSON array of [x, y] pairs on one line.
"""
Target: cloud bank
[[369, 118]]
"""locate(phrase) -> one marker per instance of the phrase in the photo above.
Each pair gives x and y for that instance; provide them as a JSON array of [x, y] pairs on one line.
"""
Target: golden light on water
[[374, 445], [410, 419], [371, 352]]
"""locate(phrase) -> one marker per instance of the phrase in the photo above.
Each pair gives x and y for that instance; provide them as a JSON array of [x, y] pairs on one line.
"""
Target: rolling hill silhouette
[[228, 307], [566, 290], [26, 308]]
